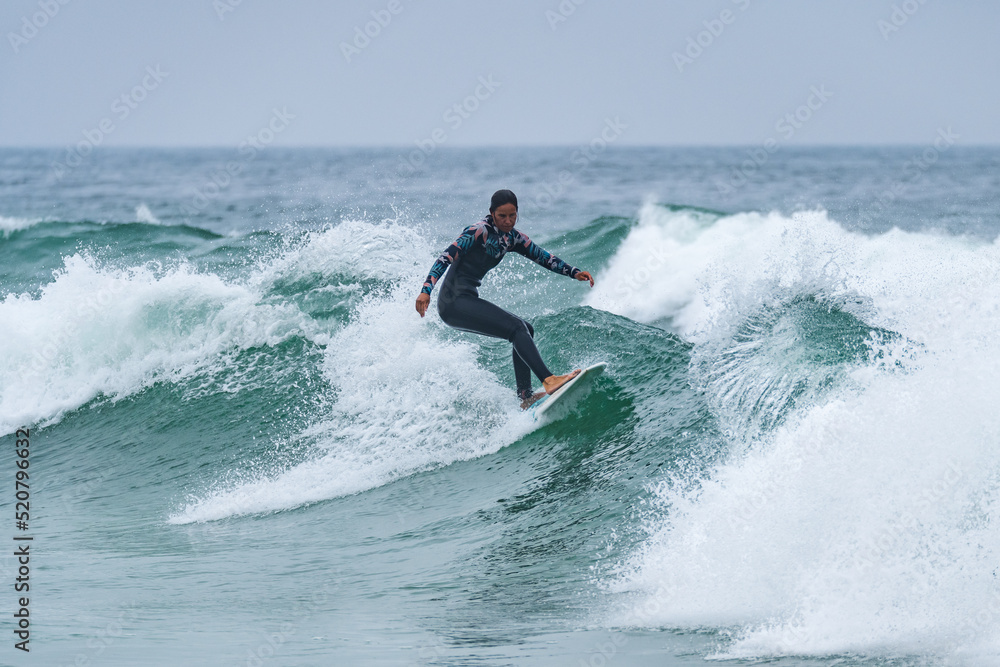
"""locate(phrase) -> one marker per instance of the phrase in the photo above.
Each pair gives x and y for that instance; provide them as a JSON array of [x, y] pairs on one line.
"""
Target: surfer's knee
[[524, 327], [521, 326]]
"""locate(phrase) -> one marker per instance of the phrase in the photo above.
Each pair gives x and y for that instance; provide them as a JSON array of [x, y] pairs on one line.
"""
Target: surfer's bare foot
[[528, 402], [553, 382]]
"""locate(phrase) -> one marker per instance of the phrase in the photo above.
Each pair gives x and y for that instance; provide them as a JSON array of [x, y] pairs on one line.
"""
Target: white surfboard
[[559, 404]]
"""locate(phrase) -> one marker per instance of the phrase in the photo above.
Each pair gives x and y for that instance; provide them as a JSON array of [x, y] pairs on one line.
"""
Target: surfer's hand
[[423, 301], [585, 275]]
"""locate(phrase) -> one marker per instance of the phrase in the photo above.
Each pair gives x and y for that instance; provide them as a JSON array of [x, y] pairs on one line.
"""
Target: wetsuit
[[480, 248]]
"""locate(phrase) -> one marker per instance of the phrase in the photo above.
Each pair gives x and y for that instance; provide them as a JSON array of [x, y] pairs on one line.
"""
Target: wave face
[[791, 455], [397, 408]]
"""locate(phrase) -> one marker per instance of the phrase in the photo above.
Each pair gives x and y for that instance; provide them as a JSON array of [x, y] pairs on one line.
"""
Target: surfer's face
[[504, 217]]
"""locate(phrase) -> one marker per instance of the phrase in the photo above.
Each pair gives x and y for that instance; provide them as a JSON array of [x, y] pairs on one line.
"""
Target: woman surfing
[[479, 249]]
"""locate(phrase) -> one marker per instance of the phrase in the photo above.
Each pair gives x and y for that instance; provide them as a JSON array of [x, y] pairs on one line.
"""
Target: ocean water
[[248, 449]]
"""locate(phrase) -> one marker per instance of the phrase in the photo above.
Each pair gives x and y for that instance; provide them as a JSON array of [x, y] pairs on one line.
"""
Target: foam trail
[[406, 400]]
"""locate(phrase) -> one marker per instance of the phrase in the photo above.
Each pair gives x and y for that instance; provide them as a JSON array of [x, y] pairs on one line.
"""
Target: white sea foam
[[8, 225], [866, 522], [361, 249], [143, 214], [95, 330], [699, 275], [406, 400]]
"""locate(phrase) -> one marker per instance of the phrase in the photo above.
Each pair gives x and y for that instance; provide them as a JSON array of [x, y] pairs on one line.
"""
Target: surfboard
[[559, 404]]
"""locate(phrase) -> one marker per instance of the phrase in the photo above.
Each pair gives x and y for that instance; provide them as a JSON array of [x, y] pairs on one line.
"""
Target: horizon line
[[402, 147]]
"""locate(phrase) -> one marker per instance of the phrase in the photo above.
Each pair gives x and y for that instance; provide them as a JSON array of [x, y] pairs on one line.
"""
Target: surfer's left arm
[[536, 253]]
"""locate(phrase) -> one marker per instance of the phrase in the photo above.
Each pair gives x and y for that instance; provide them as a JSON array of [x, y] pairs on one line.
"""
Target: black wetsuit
[[480, 248]]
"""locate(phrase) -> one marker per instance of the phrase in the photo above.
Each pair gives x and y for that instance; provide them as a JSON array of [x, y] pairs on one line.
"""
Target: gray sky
[[874, 72]]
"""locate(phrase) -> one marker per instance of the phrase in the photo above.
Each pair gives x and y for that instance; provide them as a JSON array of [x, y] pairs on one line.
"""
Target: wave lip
[[10, 225], [701, 273]]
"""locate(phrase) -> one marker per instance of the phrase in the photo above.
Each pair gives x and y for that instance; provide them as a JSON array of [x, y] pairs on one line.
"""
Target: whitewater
[[248, 446]]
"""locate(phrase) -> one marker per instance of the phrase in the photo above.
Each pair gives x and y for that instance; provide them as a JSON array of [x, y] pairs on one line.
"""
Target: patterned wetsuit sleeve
[[536, 253], [451, 253]]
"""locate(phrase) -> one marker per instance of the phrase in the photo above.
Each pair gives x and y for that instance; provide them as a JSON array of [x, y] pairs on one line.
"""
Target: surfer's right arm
[[451, 253]]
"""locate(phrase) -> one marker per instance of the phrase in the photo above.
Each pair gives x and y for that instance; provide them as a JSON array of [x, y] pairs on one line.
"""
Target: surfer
[[480, 248]]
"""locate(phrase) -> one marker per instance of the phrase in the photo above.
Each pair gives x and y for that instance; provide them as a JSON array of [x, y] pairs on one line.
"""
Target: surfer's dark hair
[[501, 197]]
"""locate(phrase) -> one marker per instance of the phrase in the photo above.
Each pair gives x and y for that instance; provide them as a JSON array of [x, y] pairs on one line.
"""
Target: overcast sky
[[210, 72]]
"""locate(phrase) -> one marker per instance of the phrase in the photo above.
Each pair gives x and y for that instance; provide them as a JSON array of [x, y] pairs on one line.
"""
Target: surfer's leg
[[522, 372], [522, 375], [477, 315]]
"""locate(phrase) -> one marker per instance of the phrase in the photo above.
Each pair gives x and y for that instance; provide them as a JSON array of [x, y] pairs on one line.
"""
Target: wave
[[862, 518], [866, 524], [405, 400], [101, 329], [595, 239], [820, 401], [353, 249], [41, 230], [410, 395], [699, 273]]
